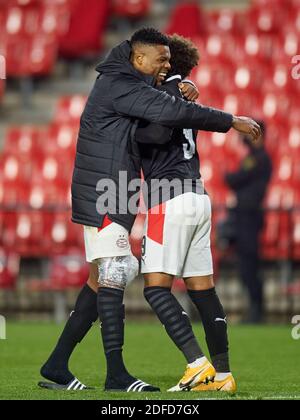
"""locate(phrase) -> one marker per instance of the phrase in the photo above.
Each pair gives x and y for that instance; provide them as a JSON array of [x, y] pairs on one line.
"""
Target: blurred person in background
[[249, 183]]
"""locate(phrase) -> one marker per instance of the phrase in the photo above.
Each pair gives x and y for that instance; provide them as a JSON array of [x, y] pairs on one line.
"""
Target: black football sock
[[215, 326], [175, 321], [80, 321], [112, 314]]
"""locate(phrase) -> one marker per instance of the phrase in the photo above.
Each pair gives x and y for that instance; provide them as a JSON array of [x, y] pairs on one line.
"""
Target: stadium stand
[[131, 9]]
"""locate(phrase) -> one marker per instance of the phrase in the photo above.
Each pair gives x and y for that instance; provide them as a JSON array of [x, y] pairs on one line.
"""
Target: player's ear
[[139, 57]]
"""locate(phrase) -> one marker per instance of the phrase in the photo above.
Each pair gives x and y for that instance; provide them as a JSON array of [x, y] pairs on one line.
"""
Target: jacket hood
[[117, 61]]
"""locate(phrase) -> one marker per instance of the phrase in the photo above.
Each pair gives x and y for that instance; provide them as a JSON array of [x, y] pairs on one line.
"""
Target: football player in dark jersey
[[177, 238]]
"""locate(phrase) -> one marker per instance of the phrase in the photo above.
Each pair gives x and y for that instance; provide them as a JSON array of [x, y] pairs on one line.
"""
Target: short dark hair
[[184, 55], [149, 36]]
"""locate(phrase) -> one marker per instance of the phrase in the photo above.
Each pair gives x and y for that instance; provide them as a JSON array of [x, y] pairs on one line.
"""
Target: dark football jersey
[[168, 154]]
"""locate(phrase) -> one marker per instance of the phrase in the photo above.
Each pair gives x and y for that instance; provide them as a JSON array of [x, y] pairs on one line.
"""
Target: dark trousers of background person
[[249, 224]]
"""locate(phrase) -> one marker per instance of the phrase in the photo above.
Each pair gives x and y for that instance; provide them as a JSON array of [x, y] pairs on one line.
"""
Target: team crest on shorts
[[122, 243]]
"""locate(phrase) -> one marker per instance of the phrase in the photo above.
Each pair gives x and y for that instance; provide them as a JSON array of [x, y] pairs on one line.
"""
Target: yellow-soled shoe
[[194, 376], [227, 385]]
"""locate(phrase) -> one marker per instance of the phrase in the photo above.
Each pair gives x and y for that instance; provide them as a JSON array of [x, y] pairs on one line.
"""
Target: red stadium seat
[[54, 168], [31, 56], [270, 234], [47, 194], [286, 167], [292, 22], [134, 9], [62, 234], [42, 55], [187, 19], [210, 96], [41, 232], [87, 25], [61, 139], [267, 19], [260, 46], [211, 76], [249, 75], [55, 17], [279, 78], [16, 168], [70, 108], [68, 271], [277, 234], [242, 102], [222, 48], [276, 106], [9, 269], [24, 233], [225, 21], [293, 135], [280, 195], [23, 140]]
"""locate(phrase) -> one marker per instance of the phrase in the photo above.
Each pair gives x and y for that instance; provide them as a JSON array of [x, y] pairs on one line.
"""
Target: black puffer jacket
[[106, 146]]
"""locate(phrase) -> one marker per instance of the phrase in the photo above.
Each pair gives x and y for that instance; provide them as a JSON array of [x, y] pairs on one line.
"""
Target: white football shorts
[[177, 237], [111, 240]]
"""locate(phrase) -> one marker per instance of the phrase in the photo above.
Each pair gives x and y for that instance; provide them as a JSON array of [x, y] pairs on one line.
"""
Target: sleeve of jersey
[[139, 100]]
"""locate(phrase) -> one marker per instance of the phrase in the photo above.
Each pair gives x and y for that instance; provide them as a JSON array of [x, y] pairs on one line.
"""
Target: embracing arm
[[139, 100]]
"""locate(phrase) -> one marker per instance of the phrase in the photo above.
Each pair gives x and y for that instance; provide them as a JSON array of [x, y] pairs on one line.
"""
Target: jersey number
[[189, 147]]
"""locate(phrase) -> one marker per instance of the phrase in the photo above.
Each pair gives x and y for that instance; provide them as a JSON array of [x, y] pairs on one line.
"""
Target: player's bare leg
[[203, 294], [81, 319]]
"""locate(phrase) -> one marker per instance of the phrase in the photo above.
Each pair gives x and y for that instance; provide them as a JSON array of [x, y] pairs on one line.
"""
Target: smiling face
[[153, 60]]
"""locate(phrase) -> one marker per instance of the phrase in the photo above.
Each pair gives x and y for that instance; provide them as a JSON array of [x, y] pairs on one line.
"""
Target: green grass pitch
[[264, 359]]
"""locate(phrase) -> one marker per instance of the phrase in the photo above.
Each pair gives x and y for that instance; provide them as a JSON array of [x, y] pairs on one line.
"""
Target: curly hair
[[184, 55], [149, 36]]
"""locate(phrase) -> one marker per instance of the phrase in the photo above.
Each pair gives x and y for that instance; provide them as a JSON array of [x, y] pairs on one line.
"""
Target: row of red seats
[[239, 48], [67, 271], [276, 107], [250, 77], [43, 17], [29, 35], [89, 20], [34, 142], [24, 163], [55, 169], [32, 35], [39, 233], [189, 19], [33, 32]]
